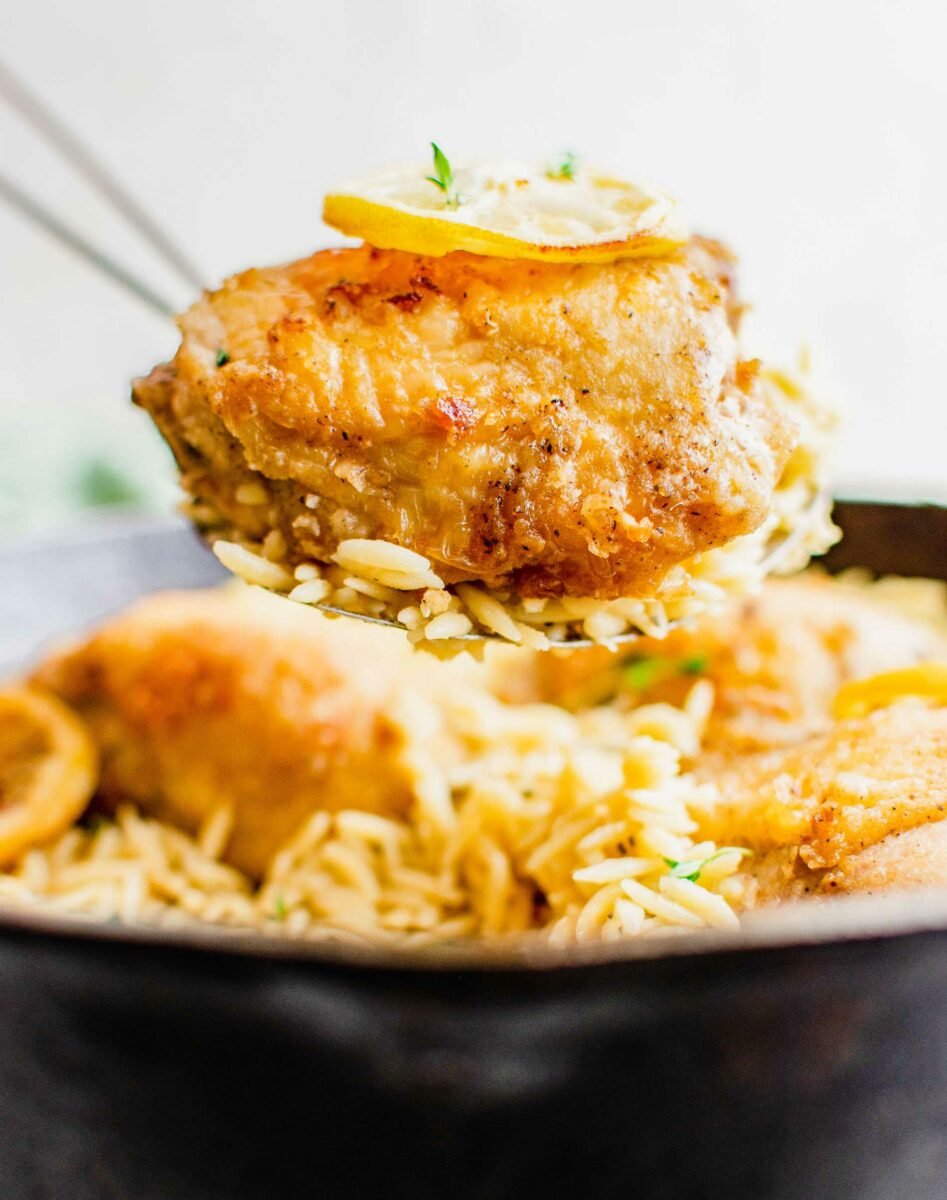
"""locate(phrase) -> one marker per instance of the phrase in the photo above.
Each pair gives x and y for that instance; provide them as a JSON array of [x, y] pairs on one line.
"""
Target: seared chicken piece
[[776, 661], [854, 809], [558, 430], [202, 698]]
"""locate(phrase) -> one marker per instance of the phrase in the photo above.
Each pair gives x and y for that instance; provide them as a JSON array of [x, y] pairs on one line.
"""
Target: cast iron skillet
[[805, 1057]]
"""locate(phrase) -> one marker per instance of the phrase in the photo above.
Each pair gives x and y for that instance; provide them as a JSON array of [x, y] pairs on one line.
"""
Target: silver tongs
[[77, 153]]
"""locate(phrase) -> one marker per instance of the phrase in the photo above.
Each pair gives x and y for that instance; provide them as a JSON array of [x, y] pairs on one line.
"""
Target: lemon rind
[[389, 227]]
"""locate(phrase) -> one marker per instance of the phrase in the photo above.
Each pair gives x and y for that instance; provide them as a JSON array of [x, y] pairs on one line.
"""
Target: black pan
[[805, 1057]]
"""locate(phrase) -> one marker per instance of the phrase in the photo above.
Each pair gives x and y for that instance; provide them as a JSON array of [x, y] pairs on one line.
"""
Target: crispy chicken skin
[[203, 697], [854, 809], [559, 429], [916, 858], [776, 661]]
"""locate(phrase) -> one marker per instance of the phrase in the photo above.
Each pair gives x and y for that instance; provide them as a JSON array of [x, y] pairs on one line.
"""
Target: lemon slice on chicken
[[927, 681], [507, 210], [48, 769]]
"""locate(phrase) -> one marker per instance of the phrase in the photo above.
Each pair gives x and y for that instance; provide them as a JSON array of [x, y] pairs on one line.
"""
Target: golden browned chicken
[[203, 698], [855, 809], [916, 858], [554, 429], [776, 661]]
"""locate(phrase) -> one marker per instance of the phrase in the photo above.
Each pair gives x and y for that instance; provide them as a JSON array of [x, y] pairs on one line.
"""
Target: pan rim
[[804, 925]]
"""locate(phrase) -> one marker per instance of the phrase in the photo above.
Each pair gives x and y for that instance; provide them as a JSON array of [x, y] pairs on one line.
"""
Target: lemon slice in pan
[[861, 696], [48, 769], [507, 210]]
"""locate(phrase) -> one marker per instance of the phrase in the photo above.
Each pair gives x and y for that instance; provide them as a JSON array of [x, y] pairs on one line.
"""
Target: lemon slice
[[48, 769], [507, 210], [928, 681]]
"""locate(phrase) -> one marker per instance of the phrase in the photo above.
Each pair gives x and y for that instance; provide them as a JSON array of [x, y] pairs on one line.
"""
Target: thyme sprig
[[563, 166], [443, 177]]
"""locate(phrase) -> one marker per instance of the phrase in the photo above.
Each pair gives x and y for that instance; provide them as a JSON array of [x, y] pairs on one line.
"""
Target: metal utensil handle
[[25, 204], [46, 123]]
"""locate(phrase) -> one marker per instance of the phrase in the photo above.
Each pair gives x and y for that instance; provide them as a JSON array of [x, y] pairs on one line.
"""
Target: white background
[[811, 136]]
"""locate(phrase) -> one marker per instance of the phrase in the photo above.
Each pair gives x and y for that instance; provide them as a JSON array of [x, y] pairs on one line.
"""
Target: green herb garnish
[[279, 907], [222, 358], [640, 673], [686, 869], [691, 868], [564, 166], [643, 671], [443, 177]]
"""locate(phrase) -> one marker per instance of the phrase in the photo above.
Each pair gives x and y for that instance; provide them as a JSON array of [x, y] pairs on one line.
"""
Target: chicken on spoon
[[521, 410]]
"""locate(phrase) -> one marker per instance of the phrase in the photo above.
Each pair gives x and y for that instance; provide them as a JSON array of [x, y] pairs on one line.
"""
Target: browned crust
[[198, 699], [557, 429]]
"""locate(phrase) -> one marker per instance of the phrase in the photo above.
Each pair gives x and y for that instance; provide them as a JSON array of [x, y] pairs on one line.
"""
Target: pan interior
[[59, 584]]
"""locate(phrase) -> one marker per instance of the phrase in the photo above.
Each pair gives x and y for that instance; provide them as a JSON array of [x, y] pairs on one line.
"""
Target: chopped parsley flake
[[643, 671], [691, 868], [564, 166], [222, 358]]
